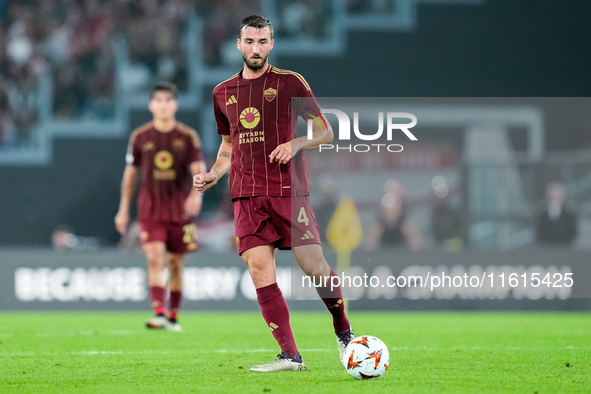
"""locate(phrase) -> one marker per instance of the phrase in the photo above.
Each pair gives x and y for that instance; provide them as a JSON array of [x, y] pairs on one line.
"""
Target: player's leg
[[256, 238], [304, 239], [294, 220], [261, 266], [311, 260], [181, 238], [155, 252], [175, 285]]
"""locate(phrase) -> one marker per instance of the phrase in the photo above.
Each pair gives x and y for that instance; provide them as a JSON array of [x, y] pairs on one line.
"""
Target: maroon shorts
[[282, 221], [179, 238]]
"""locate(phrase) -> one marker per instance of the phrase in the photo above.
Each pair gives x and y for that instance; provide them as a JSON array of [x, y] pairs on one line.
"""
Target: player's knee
[[258, 269], [251, 260], [154, 263], [255, 268], [175, 260], [175, 265], [315, 268]]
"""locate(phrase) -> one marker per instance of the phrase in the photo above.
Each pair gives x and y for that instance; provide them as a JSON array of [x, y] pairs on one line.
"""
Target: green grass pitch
[[429, 352]]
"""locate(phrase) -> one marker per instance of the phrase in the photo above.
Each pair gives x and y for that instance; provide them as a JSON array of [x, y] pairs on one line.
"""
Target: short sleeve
[[134, 154], [308, 105], [221, 120], [196, 153]]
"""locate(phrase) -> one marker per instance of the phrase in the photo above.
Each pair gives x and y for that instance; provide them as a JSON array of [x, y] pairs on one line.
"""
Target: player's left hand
[[282, 154], [193, 204]]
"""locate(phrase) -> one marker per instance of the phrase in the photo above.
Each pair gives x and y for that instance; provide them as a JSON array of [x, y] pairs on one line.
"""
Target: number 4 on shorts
[[302, 217]]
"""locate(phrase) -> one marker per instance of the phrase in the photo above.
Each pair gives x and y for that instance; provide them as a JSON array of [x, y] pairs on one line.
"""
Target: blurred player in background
[[167, 153], [556, 223], [269, 175], [393, 229]]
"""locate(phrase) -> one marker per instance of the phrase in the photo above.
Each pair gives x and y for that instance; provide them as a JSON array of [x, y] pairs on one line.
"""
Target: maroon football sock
[[157, 295], [333, 299], [174, 303], [276, 314]]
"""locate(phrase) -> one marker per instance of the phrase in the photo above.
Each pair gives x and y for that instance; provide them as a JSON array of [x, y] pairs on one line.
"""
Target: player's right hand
[[202, 182]]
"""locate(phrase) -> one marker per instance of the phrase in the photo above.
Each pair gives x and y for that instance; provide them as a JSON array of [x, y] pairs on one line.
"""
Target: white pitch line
[[121, 352], [262, 350], [83, 333], [516, 348]]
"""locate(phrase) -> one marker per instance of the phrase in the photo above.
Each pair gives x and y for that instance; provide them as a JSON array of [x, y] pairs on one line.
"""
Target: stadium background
[[74, 82]]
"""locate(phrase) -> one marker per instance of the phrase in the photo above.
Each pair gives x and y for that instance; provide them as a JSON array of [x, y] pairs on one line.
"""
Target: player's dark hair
[[256, 21], [164, 87]]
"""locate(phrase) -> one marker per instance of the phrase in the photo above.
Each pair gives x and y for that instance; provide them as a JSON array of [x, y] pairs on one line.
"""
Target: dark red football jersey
[[164, 160], [257, 114]]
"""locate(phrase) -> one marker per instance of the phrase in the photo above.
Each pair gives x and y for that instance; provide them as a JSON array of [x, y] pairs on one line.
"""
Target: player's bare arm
[[127, 186], [194, 201], [206, 180], [320, 135]]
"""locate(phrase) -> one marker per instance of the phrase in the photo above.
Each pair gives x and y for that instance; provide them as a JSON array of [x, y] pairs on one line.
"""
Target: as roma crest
[[270, 94]]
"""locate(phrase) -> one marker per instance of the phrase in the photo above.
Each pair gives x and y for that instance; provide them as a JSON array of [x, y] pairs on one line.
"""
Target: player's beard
[[255, 66]]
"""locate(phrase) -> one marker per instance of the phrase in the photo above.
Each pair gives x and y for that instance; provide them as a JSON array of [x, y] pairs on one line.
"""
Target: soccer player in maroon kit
[[167, 153], [268, 175]]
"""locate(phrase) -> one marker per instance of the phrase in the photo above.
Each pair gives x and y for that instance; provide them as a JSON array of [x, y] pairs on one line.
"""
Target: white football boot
[[157, 322], [282, 363], [343, 339], [170, 326]]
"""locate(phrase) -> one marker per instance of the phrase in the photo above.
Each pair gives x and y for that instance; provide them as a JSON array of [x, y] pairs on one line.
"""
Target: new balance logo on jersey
[[307, 235], [232, 100]]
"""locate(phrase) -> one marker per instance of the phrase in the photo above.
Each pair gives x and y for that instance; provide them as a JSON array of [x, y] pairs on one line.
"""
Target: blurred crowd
[[70, 41], [20, 67], [73, 44]]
